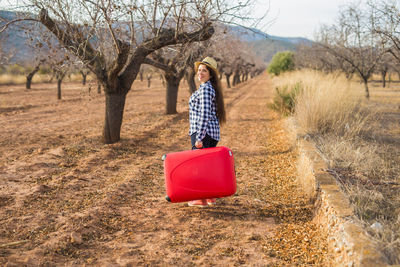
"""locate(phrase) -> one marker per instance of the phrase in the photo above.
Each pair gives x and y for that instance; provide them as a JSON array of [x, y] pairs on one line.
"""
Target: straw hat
[[208, 61]]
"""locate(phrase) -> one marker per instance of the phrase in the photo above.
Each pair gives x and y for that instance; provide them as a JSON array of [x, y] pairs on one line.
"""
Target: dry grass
[[327, 103], [12, 79], [38, 78], [306, 180], [360, 140]]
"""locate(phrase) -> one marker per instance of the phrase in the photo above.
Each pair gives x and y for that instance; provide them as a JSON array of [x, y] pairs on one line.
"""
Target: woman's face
[[203, 74]]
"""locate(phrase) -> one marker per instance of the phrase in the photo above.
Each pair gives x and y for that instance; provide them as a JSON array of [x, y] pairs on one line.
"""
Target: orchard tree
[[197, 52], [39, 43], [32, 72], [113, 37], [83, 71], [60, 62], [173, 63], [387, 24], [384, 67], [353, 41]]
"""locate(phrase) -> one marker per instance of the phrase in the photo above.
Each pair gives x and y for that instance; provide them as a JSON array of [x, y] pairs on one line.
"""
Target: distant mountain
[[266, 46], [15, 39]]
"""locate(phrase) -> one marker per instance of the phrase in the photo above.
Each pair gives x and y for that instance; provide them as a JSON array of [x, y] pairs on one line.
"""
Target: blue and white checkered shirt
[[203, 113]]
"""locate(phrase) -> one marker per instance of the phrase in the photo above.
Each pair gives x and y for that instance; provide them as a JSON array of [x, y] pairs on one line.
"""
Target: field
[[359, 140], [68, 199]]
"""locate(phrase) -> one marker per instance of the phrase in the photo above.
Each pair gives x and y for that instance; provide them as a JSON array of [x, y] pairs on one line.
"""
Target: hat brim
[[197, 64]]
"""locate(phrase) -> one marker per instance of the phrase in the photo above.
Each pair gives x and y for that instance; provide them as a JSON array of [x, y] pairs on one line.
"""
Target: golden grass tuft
[[306, 177], [327, 103], [12, 79]]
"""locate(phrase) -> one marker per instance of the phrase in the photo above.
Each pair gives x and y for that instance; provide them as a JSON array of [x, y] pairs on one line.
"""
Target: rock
[[377, 226], [58, 152], [41, 189], [76, 238]]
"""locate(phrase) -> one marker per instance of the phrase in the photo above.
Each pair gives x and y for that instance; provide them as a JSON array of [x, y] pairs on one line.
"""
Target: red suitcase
[[199, 174]]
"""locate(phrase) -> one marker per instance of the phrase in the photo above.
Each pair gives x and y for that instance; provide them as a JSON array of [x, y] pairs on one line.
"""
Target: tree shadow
[[226, 209]]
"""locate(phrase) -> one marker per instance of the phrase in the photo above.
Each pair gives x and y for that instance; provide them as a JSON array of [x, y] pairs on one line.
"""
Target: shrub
[[44, 70], [281, 62], [16, 69], [284, 100]]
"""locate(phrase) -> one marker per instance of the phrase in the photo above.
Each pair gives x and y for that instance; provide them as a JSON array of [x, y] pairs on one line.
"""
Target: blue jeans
[[208, 141]]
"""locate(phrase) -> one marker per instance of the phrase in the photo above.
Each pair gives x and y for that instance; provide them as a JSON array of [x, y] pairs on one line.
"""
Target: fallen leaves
[[296, 240]]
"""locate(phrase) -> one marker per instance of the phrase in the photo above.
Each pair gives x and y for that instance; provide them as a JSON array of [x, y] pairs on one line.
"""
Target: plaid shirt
[[203, 113]]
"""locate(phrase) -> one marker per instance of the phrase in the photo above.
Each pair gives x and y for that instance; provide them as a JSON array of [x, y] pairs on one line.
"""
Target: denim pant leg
[[208, 141]]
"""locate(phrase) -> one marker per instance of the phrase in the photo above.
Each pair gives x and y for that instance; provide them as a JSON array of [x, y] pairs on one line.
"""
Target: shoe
[[198, 203], [211, 201]]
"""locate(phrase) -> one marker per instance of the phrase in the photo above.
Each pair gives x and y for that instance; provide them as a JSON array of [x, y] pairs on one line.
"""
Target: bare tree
[[113, 37], [190, 78], [32, 73], [61, 63], [353, 42], [173, 62], [39, 42], [150, 72], [84, 72], [197, 52], [387, 24], [227, 50], [384, 66]]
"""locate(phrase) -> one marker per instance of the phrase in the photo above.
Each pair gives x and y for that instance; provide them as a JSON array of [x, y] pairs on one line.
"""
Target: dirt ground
[[68, 199]]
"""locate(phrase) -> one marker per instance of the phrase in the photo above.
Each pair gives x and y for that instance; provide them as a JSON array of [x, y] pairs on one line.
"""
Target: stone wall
[[348, 242]]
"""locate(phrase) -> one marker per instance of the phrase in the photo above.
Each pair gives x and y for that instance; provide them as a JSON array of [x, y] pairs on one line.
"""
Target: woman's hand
[[198, 144]]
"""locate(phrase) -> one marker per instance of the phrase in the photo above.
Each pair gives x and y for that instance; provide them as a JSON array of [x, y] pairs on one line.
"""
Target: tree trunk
[[115, 105], [228, 76], [59, 81], [98, 87], [149, 76], [29, 77], [366, 88], [83, 78], [236, 79], [141, 72], [172, 93], [190, 76], [383, 78], [28, 82]]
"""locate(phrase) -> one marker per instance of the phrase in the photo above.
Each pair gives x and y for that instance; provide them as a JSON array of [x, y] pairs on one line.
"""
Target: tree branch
[[167, 37], [5, 26], [85, 52], [156, 64]]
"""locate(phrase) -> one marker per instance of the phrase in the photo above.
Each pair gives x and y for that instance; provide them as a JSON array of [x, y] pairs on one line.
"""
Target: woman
[[206, 112]]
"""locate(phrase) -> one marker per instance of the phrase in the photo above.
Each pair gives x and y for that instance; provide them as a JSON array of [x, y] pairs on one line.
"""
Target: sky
[[299, 18]]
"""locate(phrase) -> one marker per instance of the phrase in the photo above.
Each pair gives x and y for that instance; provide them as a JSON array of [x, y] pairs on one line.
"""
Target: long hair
[[216, 83]]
